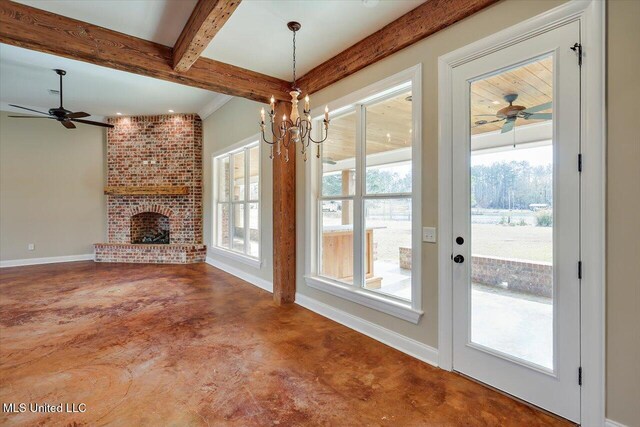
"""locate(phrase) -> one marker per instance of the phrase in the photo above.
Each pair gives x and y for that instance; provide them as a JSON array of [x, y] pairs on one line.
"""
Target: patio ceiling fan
[[511, 113], [64, 116]]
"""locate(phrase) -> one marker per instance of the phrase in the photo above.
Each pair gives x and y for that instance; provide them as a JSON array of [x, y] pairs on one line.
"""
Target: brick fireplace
[[154, 190]]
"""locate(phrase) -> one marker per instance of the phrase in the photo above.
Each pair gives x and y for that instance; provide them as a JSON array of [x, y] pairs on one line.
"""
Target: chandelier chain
[[294, 59]]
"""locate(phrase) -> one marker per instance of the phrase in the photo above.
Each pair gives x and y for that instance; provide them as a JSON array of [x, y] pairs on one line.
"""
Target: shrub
[[544, 219]]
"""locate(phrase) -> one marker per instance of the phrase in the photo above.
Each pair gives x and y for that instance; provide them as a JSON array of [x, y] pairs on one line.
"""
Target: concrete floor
[[193, 346]]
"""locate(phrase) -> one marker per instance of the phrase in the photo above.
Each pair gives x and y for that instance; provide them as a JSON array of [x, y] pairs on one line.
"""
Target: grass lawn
[[521, 242]]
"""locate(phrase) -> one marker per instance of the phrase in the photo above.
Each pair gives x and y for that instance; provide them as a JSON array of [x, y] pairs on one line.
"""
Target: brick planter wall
[[531, 277], [163, 150], [534, 278]]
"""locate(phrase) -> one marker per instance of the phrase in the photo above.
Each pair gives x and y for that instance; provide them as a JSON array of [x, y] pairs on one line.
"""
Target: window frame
[[243, 256], [410, 311]]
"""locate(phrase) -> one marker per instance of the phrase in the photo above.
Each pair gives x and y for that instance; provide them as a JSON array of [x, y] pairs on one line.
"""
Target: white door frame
[[591, 14]]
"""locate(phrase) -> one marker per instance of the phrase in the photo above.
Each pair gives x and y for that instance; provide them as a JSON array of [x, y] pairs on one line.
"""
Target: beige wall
[[238, 120], [234, 122], [623, 213], [51, 182]]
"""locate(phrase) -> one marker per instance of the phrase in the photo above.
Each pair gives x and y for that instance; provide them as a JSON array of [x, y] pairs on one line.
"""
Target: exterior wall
[[51, 182]]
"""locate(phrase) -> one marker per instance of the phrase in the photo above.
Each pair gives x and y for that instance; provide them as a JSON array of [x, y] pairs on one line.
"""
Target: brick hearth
[[154, 151]]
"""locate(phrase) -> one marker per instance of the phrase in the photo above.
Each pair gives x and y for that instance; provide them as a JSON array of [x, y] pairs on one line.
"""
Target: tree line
[[511, 185]]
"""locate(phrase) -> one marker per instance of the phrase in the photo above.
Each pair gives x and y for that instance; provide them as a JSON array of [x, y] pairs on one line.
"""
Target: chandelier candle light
[[295, 129]]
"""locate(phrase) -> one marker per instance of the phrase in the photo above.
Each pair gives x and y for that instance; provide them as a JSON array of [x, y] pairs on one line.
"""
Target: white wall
[[51, 185]]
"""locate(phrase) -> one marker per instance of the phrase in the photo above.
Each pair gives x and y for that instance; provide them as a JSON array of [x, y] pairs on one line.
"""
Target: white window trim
[[242, 257], [592, 17], [409, 311]]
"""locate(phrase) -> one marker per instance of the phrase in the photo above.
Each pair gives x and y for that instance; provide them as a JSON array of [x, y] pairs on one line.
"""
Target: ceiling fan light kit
[[294, 129], [64, 116]]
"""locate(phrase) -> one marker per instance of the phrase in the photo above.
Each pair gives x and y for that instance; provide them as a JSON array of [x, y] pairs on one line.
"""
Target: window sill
[[381, 303], [236, 256]]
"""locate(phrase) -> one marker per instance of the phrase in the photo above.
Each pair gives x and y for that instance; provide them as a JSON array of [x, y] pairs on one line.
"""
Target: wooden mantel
[[160, 190]]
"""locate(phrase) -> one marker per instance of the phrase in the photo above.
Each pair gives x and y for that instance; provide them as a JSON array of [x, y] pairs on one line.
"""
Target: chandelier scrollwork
[[294, 129]]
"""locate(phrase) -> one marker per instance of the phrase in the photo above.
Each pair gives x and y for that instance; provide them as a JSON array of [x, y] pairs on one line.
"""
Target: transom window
[[237, 200], [366, 222]]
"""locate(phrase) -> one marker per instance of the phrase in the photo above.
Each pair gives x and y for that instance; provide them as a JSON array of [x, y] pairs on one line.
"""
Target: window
[[366, 196], [237, 201]]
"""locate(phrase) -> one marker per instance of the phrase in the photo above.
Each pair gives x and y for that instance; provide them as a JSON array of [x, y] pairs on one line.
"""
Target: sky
[[536, 156]]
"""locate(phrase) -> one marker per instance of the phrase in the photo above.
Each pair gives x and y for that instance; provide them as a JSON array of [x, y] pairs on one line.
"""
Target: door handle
[[458, 259]]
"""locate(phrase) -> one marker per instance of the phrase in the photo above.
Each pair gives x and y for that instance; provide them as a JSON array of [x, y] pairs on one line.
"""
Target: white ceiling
[[160, 21], [256, 36], [26, 77]]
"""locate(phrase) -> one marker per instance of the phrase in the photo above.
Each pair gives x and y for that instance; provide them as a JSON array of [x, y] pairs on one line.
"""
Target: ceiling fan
[[60, 114], [511, 113]]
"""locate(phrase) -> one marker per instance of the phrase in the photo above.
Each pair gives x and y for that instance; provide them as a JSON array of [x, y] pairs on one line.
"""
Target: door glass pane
[[338, 157], [387, 251], [512, 213], [254, 173], [337, 240], [223, 178], [222, 226], [388, 145], [238, 176], [238, 227], [254, 230]]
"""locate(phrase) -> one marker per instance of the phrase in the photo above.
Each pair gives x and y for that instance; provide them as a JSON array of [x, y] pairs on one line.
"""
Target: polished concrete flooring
[[153, 345]]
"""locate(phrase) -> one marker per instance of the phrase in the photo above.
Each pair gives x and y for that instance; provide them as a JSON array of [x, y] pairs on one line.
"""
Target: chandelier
[[295, 129]]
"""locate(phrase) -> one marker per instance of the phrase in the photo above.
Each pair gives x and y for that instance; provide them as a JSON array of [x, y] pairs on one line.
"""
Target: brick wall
[[531, 277], [534, 278], [163, 150], [156, 150]]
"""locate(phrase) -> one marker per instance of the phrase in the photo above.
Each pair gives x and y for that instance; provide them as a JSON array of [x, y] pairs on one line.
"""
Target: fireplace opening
[[150, 228]]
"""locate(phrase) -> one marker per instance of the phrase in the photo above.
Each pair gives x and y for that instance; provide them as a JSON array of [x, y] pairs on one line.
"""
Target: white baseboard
[[393, 339], [241, 274], [47, 260], [610, 423]]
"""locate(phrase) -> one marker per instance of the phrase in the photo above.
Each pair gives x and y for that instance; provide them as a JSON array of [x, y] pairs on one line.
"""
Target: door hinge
[[579, 269], [580, 376], [579, 162], [577, 48]]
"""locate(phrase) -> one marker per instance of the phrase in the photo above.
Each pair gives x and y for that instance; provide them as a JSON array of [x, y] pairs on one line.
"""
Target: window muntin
[[237, 218], [367, 170]]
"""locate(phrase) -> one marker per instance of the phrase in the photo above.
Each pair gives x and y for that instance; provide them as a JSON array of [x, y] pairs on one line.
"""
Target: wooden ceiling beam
[[36, 29], [205, 21], [423, 21]]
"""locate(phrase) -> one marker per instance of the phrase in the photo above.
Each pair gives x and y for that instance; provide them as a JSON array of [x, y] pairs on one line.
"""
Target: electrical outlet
[[31, 247], [429, 234]]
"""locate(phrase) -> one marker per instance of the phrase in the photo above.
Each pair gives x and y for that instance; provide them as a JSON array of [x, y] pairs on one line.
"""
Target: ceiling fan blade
[[484, 115], [32, 117], [508, 126], [89, 122], [539, 116], [29, 109], [68, 124], [540, 107], [78, 115]]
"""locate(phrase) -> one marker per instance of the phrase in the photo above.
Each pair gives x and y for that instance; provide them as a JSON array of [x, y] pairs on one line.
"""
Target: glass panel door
[[511, 203], [516, 220]]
